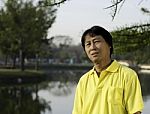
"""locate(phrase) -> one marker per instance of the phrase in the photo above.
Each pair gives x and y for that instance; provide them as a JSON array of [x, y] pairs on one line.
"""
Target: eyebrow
[[93, 39]]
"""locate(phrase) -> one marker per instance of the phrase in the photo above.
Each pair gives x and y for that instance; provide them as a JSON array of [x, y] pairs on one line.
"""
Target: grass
[[18, 72]]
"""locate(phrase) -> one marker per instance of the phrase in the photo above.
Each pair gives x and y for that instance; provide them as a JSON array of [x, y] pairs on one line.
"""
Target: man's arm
[[77, 108], [133, 95]]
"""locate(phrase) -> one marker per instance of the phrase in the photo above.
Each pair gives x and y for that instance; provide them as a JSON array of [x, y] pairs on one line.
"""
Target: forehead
[[97, 37]]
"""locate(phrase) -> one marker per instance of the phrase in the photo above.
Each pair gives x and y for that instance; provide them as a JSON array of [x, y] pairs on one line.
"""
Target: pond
[[55, 95]]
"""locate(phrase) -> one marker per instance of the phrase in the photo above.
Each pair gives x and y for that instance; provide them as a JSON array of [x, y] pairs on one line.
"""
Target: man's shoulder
[[127, 69], [87, 74], [128, 72]]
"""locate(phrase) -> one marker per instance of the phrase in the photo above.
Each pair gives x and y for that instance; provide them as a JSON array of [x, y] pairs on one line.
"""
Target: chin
[[95, 60]]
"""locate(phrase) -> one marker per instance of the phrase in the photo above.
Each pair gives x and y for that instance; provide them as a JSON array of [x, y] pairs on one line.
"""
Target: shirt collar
[[113, 67]]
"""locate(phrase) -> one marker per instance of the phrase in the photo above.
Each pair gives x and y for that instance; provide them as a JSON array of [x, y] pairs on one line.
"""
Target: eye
[[87, 44], [97, 41]]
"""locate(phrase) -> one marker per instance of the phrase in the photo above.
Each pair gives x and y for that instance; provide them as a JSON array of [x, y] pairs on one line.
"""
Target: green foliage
[[24, 26], [134, 40]]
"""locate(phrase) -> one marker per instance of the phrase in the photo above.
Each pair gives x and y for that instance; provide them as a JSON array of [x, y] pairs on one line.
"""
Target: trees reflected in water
[[24, 99], [60, 89], [19, 100], [145, 85]]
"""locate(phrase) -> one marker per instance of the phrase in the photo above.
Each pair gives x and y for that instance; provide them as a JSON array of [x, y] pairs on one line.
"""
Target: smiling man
[[108, 88]]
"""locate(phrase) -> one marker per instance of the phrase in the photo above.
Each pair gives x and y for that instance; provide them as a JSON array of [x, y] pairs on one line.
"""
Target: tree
[[145, 11], [28, 26], [133, 40], [51, 2], [117, 5], [7, 42]]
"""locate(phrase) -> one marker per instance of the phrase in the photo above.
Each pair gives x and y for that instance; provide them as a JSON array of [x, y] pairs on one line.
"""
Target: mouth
[[94, 54]]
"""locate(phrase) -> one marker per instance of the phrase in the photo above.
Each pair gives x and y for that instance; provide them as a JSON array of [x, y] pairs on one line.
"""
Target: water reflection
[[65, 76], [53, 96], [19, 100], [145, 85]]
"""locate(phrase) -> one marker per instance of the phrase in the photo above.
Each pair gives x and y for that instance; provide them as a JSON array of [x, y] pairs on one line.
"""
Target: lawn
[[18, 72]]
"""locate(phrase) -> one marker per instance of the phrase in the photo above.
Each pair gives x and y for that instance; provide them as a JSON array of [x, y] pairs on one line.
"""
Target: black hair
[[95, 31]]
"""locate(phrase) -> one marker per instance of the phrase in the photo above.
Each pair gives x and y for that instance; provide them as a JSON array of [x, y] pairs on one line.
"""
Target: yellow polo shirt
[[116, 91]]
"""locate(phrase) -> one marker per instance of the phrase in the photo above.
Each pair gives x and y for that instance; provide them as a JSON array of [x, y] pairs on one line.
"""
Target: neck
[[102, 65]]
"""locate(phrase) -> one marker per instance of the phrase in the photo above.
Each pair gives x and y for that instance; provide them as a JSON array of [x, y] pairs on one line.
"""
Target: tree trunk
[[14, 61], [37, 62], [21, 60], [6, 58]]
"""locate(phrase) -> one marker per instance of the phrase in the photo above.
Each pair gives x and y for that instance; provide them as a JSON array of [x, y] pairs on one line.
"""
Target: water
[[61, 99], [53, 96]]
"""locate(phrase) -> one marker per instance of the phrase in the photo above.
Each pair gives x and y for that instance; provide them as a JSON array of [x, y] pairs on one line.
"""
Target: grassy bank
[[19, 73], [11, 77]]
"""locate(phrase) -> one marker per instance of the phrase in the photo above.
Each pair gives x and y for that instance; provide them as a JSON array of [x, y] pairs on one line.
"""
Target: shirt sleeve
[[133, 95], [77, 108]]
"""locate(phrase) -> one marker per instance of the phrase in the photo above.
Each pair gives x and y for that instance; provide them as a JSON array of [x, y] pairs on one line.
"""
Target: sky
[[75, 16]]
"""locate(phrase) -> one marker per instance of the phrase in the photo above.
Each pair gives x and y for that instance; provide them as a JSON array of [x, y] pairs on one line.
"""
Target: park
[[39, 71]]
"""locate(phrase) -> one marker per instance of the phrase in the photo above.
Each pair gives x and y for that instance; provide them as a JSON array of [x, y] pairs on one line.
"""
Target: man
[[108, 88]]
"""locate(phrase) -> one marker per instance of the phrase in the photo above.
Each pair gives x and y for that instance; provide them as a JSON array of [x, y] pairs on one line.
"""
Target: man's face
[[97, 49]]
